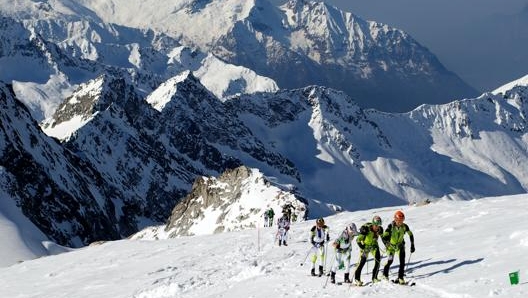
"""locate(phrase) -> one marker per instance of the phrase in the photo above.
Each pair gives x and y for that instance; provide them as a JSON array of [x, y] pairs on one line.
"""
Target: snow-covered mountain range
[[50, 54], [298, 44], [333, 153], [137, 117]]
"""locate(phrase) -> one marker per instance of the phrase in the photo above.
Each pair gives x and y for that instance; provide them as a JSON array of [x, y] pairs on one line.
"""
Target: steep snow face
[[165, 92], [63, 197], [199, 21]]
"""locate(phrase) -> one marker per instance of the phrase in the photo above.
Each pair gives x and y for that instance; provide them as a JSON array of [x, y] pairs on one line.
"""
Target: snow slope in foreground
[[463, 249]]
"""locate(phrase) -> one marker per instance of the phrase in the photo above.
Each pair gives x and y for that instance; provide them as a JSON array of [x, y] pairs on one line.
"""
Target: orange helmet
[[398, 215]]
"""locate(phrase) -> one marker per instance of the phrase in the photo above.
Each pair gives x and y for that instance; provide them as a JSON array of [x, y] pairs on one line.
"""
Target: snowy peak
[[89, 99], [46, 10], [167, 90], [506, 109], [222, 79], [519, 82]]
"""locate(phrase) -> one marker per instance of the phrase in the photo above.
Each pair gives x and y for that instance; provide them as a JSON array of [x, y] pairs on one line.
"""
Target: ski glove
[[412, 248], [327, 237], [313, 243]]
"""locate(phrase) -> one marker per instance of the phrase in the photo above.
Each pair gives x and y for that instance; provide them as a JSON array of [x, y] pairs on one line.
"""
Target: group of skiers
[[367, 241], [287, 211]]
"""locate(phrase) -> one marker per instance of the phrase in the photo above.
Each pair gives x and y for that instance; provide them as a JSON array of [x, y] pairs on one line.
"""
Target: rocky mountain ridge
[[138, 160]]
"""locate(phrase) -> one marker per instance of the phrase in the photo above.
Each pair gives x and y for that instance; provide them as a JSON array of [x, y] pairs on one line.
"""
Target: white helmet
[[352, 229]]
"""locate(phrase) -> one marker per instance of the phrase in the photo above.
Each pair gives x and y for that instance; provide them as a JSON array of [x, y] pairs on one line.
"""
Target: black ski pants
[[390, 259], [363, 260]]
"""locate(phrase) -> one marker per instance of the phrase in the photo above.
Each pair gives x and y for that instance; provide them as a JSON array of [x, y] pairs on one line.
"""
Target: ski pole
[[326, 282], [325, 255], [408, 261], [307, 254], [367, 265]]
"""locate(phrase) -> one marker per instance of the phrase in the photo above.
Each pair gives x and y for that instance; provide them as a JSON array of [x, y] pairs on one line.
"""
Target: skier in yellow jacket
[[393, 240], [367, 241]]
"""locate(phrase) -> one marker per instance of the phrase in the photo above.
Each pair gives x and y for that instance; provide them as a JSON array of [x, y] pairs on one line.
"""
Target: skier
[[271, 215], [343, 249], [287, 209], [393, 240], [266, 220], [283, 225], [368, 243], [318, 234]]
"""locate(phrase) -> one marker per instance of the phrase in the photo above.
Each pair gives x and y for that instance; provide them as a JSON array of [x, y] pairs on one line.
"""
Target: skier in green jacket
[[271, 215], [393, 240], [368, 243]]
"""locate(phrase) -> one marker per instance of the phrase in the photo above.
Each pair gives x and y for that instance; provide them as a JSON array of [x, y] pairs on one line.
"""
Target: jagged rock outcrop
[[235, 200]]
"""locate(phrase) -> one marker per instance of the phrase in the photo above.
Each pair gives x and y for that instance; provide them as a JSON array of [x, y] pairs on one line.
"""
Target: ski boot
[[401, 281], [320, 270], [347, 278], [284, 243], [332, 277], [358, 283], [312, 272]]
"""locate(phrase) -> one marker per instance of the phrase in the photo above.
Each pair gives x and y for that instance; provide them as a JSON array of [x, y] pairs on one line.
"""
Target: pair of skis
[[394, 281]]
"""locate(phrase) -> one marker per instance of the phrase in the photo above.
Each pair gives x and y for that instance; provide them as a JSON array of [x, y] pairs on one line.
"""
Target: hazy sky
[[485, 42]]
